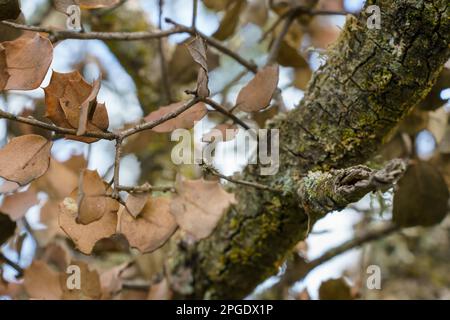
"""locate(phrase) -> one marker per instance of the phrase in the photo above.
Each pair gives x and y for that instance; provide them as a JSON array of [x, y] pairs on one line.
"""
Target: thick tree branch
[[370, 81]]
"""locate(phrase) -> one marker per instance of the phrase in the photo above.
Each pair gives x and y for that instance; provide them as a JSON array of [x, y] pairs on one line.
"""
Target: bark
[[371, 80]]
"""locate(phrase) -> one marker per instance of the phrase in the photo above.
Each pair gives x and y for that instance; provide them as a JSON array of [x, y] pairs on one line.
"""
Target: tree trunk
[[372, 78]]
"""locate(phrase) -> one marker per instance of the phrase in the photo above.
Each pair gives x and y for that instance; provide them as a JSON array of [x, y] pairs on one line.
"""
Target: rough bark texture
[[371, 79]]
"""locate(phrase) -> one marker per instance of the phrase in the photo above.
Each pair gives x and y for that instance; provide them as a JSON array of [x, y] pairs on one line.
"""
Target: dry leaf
[[199, 205], [17, 204], [256, 95], [27, 62], [135, 203], [421, 197], [230, 21], [85, 236], [186, 120], [197, 49], [72, 103], [92, 199], [41, 282], [25, 158], [154, 226], [90, 287]]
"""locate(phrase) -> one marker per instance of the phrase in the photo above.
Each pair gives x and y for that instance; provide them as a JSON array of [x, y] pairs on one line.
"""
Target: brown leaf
[[230, 20], [72, 103], [90, 287], [4, 74], [335, 289], [302, 77], [92, 199], [256, 95], [288, 56], [186, 120], [25, 158], [7, 228], [199, 205], [227, 131], [17, 204], [152, 228], [51, 181], [135, 203], [49, 217], [85, 236], [41, 282], [421, 197], [27, 62]]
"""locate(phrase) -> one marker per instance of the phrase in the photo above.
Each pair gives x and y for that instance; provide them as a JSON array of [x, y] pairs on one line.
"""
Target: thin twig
[[34, 122], [12, 264], [273, 55], [251, 66], [146, 188], [255, 185], [150, 125], [124, 36], [194, 14], [164, 73], [117, 157], [225, 112]]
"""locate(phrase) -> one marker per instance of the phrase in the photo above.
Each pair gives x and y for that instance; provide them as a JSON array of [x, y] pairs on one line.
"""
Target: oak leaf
[[41, 282], [17, 204], [25, 158], [256, 95], [85, 236], [199, 205], [28, 59], [154, 226]]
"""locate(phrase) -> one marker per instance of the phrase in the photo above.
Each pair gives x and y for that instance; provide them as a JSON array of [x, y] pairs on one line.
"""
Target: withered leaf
[[186, 120], [41, 282], [85, 236], [92, 199], [90, 287], [17, 204], [62, 5], [256, 95], [27, 62], [335, 289], [289, 56], [7, 228], [230, 20], [154, 226], [25, 158], [199, 205], [197, 49], [72, 103], [135, 203], [421, 197]]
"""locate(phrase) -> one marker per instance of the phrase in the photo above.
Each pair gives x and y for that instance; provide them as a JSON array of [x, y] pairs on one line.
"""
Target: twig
[[194, 14], [164, 74], [150, 125], [273, 55], [117, 157], [218, 45], [34, 122], [146, 188], [125, 36], [255, 185], [12, 264], [225, 112], [297, 268]]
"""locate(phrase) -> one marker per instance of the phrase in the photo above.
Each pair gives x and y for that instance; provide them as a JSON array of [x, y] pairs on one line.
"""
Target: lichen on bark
[[371, 79]]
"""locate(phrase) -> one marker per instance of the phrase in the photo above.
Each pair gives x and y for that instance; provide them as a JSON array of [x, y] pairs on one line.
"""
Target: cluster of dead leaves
[[24, 62], [90, 214], [62, 5], [72, 103]]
